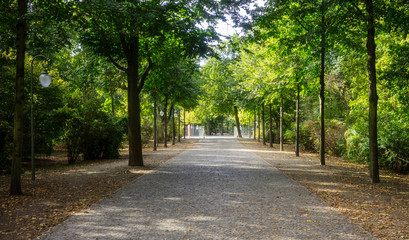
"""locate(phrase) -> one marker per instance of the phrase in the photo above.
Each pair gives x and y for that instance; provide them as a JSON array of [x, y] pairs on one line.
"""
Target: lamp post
[[45, 81]]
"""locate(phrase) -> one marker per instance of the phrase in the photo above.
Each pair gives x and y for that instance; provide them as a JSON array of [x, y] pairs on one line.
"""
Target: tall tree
[[129, 33], [21, 34], [373, 96]]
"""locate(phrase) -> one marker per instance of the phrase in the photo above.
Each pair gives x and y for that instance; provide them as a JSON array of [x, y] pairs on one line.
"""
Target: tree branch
[[117, 65], [144, 75], [302, 25], [358, 9]]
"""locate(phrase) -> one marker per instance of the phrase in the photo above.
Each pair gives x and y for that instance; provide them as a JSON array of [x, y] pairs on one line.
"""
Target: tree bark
[[249, 127], [254, 122], [184, 124], [281, 124], [373, 97], [297, 122], [165, 131], [322, 89], [154, 126], [221, 127], [21, 35], [263, 124], [179, 125], [112, 102], [173, 124], [270, 120], [236, 115], [259, 129], [134, 125]]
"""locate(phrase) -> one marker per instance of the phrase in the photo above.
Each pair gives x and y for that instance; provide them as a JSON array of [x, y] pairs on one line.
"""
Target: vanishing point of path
[[215, 190]]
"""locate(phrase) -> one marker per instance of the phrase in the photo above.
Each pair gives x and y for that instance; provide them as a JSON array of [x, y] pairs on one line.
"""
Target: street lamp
[[45, 81]]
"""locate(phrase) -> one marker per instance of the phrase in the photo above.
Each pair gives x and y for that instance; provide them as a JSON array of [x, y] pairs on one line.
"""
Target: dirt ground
[[62, 190], [382, 209]]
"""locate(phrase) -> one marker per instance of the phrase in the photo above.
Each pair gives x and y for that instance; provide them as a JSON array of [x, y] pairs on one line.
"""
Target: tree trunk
[[259, 129], [322, 90], [249, 127], [184, 124], [297, 122], [112, 103], [270, 119], [154, 126], [373, 97], [263, 124], [134, 123], [173, 124], [254, 123], [179, 125], [165, 119], [236, 115], [15, 184], [221, 127], [281, 124]]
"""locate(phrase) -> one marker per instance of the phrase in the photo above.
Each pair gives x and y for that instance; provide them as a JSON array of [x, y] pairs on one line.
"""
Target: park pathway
[[215, 190]]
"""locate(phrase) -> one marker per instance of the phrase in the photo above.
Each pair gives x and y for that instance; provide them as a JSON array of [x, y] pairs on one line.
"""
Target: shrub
[[393, 146], [6, 147], [72, 138], [102, 137], [334, 137], [393, 150]]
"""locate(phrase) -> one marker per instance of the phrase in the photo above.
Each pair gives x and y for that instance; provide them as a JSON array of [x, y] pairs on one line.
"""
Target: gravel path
[[215, 190]]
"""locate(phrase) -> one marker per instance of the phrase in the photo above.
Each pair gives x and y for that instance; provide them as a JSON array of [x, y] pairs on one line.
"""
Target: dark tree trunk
[[136, 82], [134, 125], [154, 126], [297, 122], [179, 125], [236, 115], [165, 131], [270, 120], [221, 127], [15, 186], [373, 97], [322, 89], [263, 124], [281, 124], [249, 127], [254, 122], [112, 103], [184, 124], [173, 124], [259, 127]]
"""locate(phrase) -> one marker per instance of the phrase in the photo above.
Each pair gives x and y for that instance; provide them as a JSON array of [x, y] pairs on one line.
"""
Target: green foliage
[[6, 108], [98, 136], [392, 136], [310, 137]]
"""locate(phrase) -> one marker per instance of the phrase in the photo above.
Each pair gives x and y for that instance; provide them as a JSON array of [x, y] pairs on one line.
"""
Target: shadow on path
[[215, 190]]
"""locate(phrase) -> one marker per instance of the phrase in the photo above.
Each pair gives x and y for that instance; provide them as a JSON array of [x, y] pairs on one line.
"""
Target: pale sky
[[227, 29]]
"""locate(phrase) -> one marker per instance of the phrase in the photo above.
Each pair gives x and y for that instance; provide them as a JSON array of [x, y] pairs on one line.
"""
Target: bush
[[73, 138], [393, 146], [310, 137], [357, 142], [147, 131], [393, 150], [6, 147], [98, 138]]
